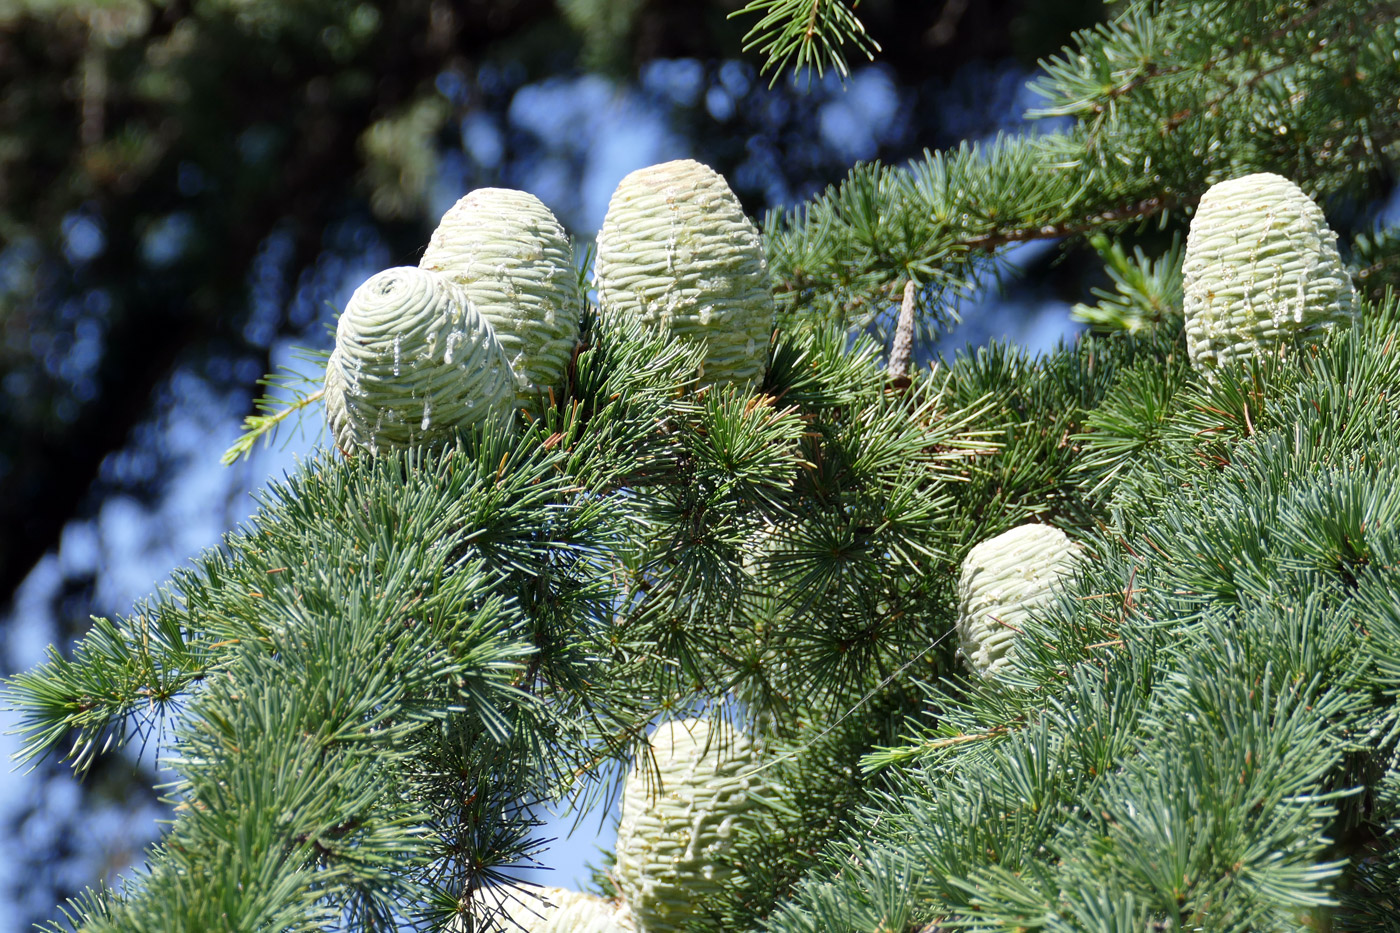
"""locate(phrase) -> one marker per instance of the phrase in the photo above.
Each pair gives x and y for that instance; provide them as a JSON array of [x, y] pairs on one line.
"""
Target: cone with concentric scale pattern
[[1003, 580], [512, 258], [673, 838], [677, 252], [1261, 272], [413, 363]]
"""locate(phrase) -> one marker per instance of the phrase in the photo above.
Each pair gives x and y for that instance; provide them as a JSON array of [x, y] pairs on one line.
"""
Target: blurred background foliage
[[188, 189]]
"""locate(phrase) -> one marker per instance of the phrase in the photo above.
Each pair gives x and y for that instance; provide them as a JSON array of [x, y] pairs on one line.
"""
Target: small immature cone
[[670, 847], [677, 251], [902, 349], [413, 363], [513, 260], [1261, 271], [1003, 580]]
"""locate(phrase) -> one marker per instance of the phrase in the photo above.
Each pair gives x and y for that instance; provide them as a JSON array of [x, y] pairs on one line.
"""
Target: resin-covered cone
[[677, 252], [512, 258], [673, 837], [1261, 272], [413, 364], [1003, 580], [334, 394]]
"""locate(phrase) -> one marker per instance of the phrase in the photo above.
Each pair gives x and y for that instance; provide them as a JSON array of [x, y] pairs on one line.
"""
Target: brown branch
[[1147, 207], [1376, 267], [1152, 71]]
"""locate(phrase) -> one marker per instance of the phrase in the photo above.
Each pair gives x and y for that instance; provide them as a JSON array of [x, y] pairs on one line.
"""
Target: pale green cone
[[677, 252], [1261, 271], [557, 910], [671, 846], [334, 395], [513, 259], [413, 364], [1003, 580]]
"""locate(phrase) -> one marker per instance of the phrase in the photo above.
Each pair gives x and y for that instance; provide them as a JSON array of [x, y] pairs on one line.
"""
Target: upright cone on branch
[[1261, 272], [412, 364], [513, 260], [672, 839], [677, 251], [1003, 580]]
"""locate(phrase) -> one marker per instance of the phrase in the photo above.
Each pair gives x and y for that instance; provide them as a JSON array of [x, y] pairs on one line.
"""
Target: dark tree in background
[[186, 186], [153, 153]]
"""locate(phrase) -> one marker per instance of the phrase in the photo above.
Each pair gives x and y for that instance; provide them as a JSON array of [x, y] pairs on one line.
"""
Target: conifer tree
[[368, 692]]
